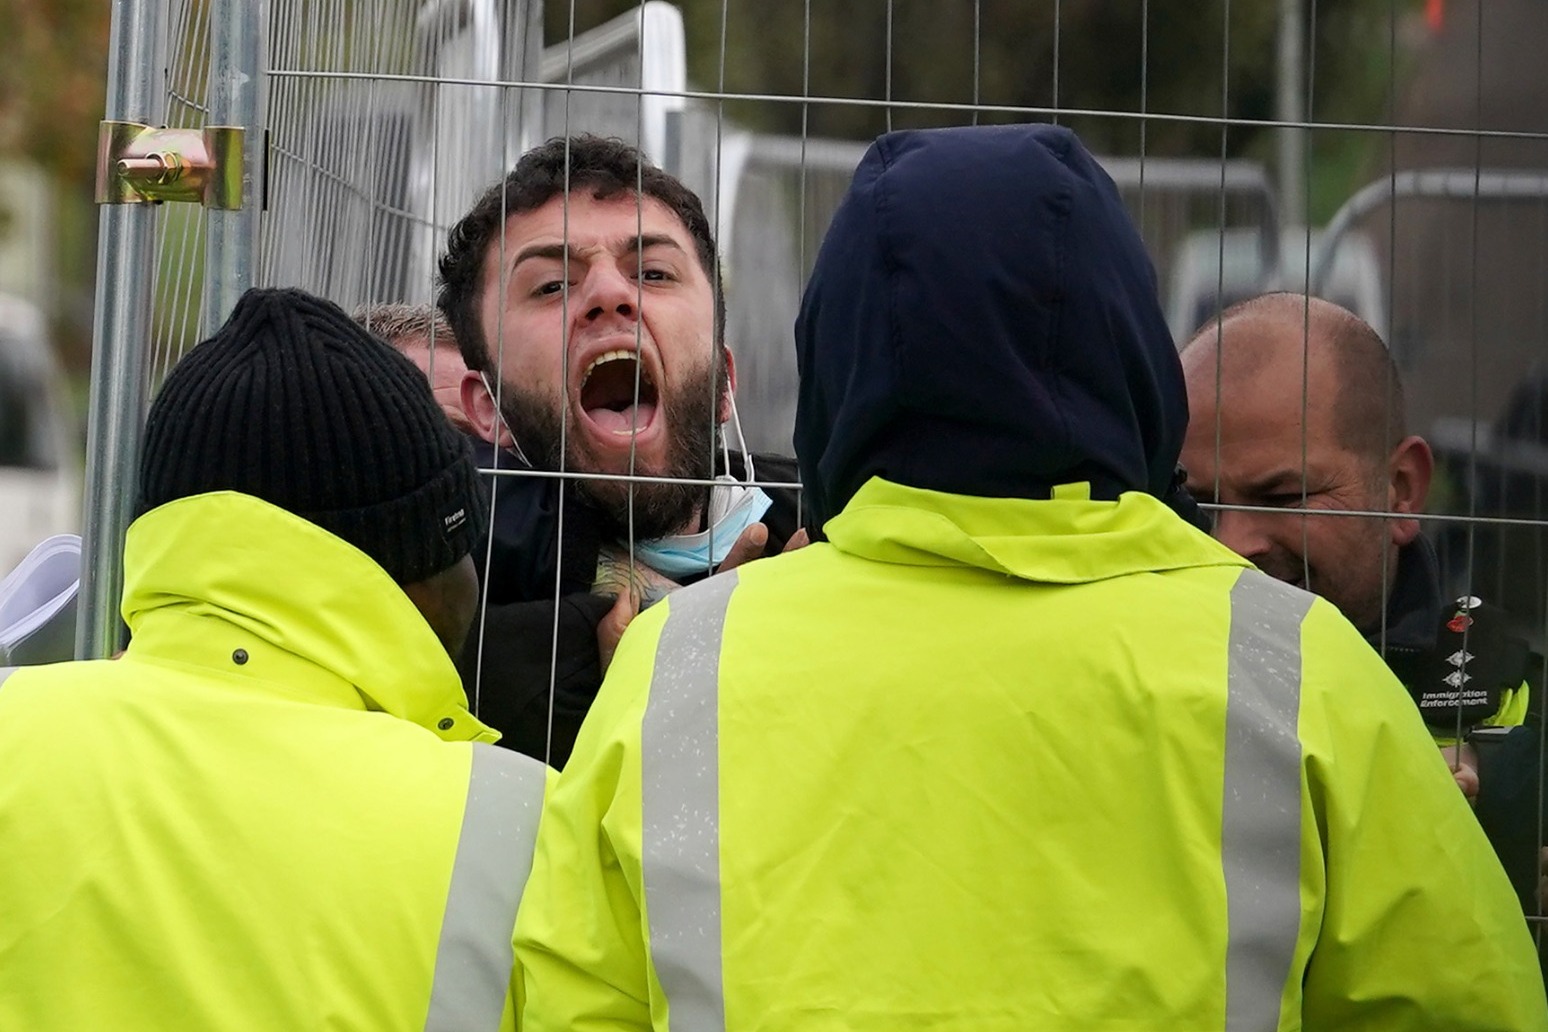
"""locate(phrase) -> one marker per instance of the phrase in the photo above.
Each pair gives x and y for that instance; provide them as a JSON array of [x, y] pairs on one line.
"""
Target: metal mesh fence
[[386, 118], [181, 234]]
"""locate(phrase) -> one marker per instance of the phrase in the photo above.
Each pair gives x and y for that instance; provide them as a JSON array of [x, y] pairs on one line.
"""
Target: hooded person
[[1015, 746], [274, 810]]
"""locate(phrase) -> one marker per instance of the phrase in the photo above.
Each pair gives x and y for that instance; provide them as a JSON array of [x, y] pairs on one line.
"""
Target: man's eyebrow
[[556, 251], [645, 241], [623, 245], [1277, 482]]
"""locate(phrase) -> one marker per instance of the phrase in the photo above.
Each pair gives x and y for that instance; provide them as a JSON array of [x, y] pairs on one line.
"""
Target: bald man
[[1296, 407], [1251, 437]]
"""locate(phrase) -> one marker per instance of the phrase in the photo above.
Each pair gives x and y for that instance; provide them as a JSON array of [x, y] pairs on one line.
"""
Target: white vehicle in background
[[40, 476], [1214, 270]]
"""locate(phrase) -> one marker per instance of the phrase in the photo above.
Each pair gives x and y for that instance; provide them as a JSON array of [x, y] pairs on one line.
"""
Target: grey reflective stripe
[[1260, 835], [7, 672], [494, 856], [680, 806]]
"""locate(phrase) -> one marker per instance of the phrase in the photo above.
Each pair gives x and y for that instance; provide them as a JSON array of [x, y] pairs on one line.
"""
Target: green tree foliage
[[52, 80], [1188, 58], [53, 70]]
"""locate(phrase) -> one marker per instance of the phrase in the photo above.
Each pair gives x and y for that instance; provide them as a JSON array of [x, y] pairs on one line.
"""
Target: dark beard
[[659, 509]]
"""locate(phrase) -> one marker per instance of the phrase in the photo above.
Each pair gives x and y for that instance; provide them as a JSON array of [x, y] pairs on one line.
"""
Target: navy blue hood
[[982, 319]]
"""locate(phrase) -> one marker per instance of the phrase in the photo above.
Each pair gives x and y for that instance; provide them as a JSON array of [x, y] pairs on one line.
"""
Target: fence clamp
[[141, 164]]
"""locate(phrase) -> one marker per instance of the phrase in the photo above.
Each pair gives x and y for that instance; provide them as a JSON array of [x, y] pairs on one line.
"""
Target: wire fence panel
[[1471, 345], [341, 218], [641, 55], [1423, 208], [180, 244]]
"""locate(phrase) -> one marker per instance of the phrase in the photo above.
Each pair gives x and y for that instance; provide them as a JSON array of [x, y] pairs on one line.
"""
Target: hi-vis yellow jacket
[[1007, 765], [274, 812]]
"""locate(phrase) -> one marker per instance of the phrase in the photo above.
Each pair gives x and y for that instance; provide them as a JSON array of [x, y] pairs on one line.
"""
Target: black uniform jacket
[[530, 666], [1416, 644]]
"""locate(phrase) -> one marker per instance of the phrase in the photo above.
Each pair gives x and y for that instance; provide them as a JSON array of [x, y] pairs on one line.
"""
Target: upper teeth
[[606, 356]]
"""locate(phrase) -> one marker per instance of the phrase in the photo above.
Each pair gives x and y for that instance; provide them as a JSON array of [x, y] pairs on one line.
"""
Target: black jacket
[[532, 653], [1413, 605], [1511, 804], [1421, 637]]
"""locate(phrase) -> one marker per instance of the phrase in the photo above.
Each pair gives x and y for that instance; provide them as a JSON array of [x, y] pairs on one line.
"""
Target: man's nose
[[609, 292], [1244, 533]]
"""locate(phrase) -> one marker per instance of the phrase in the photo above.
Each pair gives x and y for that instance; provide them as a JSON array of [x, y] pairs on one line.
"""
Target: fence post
[[238, 81], [1290, 107], [126, 271]]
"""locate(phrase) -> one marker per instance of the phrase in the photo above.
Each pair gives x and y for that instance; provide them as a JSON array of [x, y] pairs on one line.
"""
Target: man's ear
[[724, 414], [482, 412], [1409, 469]]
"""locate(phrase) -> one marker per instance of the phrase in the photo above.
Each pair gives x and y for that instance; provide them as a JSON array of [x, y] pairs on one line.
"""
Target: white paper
[[37, 603]]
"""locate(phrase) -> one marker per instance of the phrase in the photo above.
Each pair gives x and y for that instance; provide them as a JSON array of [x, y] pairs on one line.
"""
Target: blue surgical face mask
[[733, 508]]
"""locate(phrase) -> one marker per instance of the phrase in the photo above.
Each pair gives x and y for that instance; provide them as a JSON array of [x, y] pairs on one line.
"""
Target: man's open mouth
[[616, 393]]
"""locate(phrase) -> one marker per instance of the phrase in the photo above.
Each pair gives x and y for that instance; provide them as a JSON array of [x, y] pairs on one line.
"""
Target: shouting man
[[585, 295]]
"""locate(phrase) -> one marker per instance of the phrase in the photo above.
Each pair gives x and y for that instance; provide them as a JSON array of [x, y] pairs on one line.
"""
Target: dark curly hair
[[606, 167]]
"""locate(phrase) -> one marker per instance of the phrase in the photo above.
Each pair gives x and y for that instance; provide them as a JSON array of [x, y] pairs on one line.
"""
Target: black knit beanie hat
[[293, 402]]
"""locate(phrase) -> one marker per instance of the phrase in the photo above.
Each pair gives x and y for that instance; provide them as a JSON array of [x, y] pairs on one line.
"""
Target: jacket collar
[[1067, 539], [1414, 604], [328, 621]]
